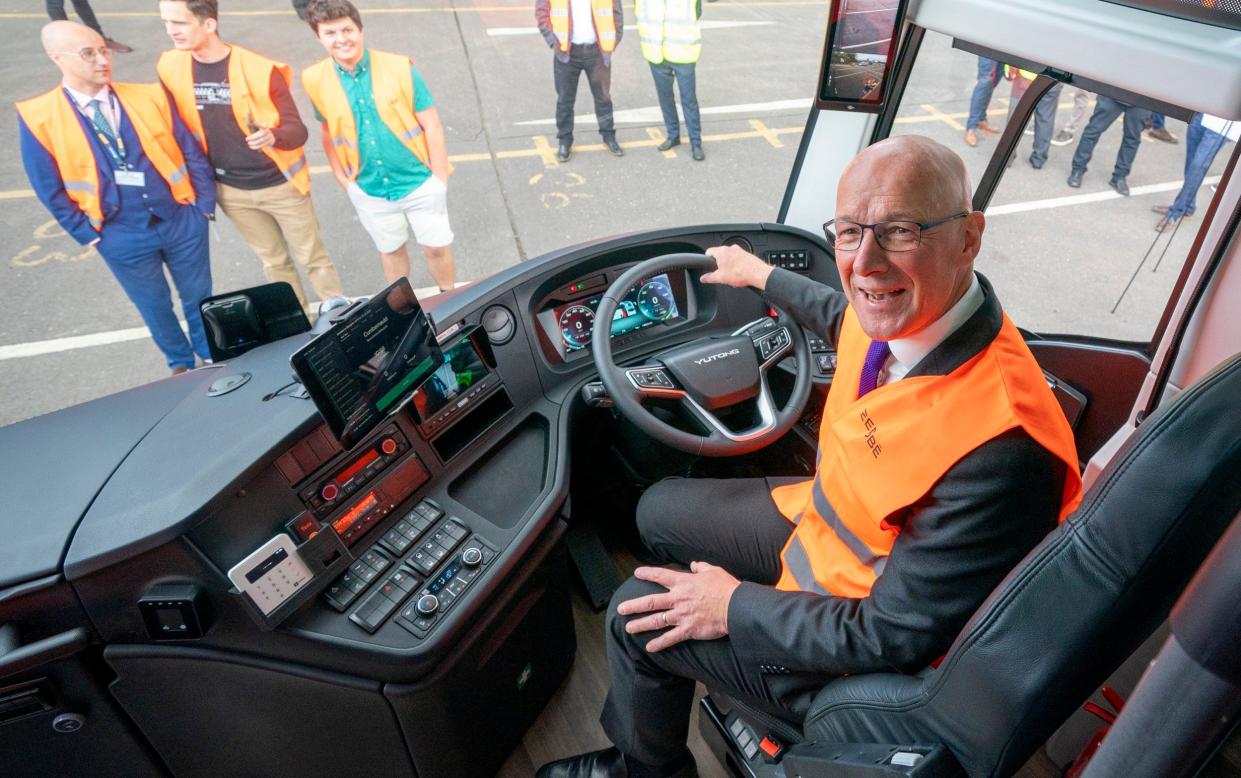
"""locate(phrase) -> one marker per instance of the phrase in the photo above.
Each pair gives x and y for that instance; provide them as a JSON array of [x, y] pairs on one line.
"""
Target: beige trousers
[[276, 221]]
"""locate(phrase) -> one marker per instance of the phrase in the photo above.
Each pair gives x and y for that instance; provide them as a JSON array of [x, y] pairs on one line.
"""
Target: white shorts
[[425, 210]]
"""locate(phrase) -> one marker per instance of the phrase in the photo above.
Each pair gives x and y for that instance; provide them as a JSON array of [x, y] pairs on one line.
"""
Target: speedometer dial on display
[[576, 324], [656, 302]]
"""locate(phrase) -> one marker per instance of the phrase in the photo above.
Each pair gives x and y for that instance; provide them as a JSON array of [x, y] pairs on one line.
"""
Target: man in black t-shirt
[[238, 104]]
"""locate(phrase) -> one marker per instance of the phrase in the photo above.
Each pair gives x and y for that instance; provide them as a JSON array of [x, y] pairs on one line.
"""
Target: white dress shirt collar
[[82, 101], [908, 352]]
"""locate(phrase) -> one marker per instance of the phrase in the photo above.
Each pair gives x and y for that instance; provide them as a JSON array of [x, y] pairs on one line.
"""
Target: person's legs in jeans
[[1209, 144], [599, 76], [1156, 121], [1135, 119], [989, 72], [187, 254], [1044, 123], [664, 75], [686, 82], [566, 78], [1105, 112]]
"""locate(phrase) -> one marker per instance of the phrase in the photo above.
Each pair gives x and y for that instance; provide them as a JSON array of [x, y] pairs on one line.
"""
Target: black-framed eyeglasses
[[90, 54], [892, 236]]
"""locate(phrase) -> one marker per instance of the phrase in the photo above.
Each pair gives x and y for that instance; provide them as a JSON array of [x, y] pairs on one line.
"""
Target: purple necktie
[[876, 355]]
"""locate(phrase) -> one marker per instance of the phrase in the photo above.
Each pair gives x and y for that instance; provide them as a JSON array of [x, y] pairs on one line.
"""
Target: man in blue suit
[[120, 172]]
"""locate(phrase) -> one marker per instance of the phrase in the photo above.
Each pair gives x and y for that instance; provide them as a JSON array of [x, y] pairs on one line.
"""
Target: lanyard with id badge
[[111, 139]]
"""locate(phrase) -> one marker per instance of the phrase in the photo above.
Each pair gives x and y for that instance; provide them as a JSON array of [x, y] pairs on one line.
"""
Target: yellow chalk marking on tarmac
[[545, 150], [16, 194], [762, 130], [945, 118], [657, 138]]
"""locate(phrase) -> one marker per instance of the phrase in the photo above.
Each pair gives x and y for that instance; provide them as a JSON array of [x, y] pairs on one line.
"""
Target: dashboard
[[204, 548]]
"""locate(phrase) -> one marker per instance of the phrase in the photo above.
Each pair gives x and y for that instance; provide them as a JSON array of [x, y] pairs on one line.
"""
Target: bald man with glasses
[[943, 459], [119, 171]]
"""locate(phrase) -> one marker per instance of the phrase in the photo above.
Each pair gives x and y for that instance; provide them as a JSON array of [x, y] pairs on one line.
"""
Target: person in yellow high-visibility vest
[[671, 42], [583, 33], [384, 141], [239, 106]]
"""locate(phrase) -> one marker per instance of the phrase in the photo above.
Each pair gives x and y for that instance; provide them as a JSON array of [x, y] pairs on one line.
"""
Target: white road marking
[[864, 45], [73, 342], [56, 345], [502, 32], [1093, 197], [652, 113]]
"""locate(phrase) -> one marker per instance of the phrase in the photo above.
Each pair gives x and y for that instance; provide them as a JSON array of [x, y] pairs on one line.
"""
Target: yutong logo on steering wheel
[[713, 357]]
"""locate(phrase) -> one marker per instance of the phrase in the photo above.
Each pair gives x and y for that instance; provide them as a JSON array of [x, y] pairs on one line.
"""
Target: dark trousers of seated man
[[588, 59], [731, 523]]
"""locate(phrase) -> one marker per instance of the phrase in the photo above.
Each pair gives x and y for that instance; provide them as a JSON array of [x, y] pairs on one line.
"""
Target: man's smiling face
[[896, 294]]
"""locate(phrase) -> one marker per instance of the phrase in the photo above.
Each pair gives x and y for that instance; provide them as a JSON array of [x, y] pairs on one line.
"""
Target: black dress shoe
[[608, 763], [614, 147], [695, 151], [1075, 179], [1118, 183], [669, 143], [1036, 163], [564, 152]]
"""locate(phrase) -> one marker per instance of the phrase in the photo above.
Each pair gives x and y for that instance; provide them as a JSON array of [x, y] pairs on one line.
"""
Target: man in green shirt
[[384, 140]]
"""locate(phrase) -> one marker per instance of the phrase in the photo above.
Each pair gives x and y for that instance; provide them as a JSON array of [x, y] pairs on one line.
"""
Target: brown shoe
[[179, 370], [987, 128], [1162, 134], [971, 138]]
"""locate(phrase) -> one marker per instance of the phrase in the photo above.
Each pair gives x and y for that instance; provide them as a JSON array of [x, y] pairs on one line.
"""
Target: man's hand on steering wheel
[[737, 268], [710, 374], [695, 607]]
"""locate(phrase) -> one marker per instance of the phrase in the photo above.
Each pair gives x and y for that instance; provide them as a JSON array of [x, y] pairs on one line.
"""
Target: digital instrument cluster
[[571, 324]]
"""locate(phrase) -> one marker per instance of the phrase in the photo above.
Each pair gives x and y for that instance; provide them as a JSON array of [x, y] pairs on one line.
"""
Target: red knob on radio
[[329, 492], [388, 446]]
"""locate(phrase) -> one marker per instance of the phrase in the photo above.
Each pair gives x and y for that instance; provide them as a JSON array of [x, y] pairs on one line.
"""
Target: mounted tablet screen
[[859, 53], [370, 362]]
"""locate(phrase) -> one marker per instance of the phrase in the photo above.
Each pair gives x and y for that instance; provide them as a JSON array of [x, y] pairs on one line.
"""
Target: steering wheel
[[706, 374]]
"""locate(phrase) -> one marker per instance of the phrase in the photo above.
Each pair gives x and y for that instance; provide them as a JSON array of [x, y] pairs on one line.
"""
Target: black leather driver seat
[[1072, 610]]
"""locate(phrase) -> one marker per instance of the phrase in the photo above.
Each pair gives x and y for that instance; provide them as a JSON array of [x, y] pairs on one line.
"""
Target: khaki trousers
[[276, 221]]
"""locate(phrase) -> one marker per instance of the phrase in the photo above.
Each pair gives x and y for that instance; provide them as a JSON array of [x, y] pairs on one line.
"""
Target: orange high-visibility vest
[[601, 14], [249, 82], [53, 120], [882, 453], [392, 85]]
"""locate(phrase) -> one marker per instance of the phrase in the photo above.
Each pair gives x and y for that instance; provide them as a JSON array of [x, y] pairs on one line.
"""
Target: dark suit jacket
[[955, 546], [543, 18]]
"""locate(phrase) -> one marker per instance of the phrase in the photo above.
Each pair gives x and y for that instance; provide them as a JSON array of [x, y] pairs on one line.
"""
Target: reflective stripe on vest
[[880, 454], [53, 120], [604, 22], [669, 30], [392, 85], [249, 80]]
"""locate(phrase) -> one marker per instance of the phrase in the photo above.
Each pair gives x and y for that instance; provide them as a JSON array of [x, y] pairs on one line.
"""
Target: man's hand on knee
[[695, 607]]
